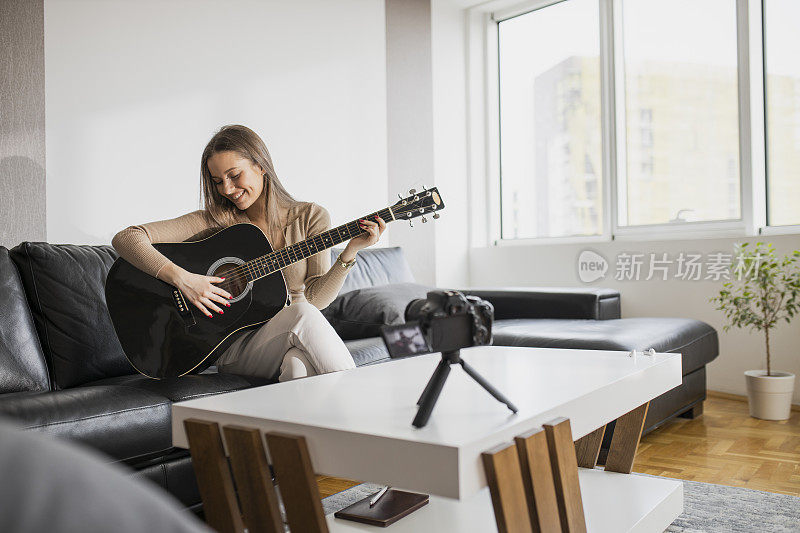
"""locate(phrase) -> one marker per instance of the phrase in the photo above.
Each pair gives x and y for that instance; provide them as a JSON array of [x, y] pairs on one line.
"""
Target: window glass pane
[[781, 46], [550, 153], [681, 108]]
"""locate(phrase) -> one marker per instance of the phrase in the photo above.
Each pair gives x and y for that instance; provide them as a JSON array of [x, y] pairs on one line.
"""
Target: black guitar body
[[165, 336]]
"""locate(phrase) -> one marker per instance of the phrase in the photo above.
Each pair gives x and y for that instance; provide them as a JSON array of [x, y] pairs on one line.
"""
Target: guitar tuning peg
[[410, 224], [400, 196], [412, 191], [436, 215], [424, 220]]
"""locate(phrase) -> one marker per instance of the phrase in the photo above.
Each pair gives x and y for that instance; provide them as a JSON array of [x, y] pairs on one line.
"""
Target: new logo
[[591, 266]]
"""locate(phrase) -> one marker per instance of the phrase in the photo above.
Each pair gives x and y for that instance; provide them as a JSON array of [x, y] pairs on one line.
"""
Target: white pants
[[297, 342]]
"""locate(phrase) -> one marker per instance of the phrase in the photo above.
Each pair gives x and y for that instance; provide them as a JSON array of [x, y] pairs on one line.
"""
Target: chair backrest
[[534, 482], [260, 511], [547, 473]]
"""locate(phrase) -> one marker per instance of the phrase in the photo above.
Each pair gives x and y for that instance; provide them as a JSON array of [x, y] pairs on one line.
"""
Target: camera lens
[[414, 309]]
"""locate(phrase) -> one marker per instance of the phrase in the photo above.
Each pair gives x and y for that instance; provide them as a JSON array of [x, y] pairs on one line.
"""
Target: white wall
[[556, 265], [134, 90], [450, 142]]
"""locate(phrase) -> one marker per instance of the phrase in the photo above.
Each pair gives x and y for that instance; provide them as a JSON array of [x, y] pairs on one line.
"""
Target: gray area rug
[[340, 500], [710, 508], [707, 508]]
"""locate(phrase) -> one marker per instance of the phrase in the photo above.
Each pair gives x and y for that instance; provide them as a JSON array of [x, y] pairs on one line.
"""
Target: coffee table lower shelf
[[613, 503]]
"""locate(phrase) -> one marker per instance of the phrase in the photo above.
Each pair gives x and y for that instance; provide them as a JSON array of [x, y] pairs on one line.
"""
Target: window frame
[[484, 120], [767, 229]]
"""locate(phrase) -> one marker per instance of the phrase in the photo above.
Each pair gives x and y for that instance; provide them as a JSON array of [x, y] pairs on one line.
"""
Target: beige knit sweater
[[312, 279]]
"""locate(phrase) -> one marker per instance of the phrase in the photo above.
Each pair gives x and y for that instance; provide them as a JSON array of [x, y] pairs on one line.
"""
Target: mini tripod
[[435, 384]]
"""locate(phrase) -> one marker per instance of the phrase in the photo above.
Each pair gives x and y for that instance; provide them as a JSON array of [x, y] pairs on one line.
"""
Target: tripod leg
[[486, 385], [431, 394], [429, 385]]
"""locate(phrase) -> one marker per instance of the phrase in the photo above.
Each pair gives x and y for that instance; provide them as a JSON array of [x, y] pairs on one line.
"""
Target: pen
[[378, 496]]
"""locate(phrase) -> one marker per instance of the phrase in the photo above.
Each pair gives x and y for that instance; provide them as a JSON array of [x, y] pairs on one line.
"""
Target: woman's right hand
[[201, 291]]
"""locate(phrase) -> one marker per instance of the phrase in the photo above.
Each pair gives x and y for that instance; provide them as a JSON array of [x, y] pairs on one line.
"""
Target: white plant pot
[[770, 396]]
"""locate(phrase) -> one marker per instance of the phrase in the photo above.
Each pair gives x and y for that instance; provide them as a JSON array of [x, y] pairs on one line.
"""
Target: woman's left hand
[[373, 228]]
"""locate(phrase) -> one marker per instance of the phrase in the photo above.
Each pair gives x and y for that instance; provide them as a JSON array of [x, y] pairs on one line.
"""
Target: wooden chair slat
[[297, 483], [213, 476], [625, 441], [504, 476], [587, 448], [257, 495], [565, 475], [537, 476]]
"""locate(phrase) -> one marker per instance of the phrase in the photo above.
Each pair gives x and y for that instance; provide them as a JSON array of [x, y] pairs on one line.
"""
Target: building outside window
[[551, 168]]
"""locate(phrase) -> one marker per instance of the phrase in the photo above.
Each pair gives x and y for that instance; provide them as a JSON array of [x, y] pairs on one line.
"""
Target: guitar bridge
[[183, 308]]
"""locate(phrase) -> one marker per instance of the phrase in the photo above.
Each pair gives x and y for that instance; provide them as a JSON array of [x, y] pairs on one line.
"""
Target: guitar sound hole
[[235, 281]]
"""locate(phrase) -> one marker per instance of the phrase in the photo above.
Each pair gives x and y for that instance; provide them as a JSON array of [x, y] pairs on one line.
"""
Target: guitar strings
[[241, 272], [286, 255], [283, 254]]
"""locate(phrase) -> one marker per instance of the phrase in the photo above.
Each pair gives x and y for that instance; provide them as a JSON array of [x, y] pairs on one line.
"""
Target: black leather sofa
[[63, 372]]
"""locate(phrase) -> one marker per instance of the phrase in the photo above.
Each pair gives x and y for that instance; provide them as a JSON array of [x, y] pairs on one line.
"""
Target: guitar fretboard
[[272, 262]]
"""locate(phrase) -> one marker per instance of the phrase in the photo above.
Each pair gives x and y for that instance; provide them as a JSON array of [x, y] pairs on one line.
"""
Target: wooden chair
[[248, 461], [534, 483]]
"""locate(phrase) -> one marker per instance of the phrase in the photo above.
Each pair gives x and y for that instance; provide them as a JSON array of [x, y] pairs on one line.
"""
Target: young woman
[[239, 184]]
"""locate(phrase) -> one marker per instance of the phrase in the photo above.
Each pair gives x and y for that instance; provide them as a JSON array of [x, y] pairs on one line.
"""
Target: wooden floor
[[727, 447], [331, 485], [723, 446]]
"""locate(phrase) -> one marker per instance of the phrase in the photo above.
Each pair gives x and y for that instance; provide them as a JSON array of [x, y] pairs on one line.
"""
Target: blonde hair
[[245, 142]]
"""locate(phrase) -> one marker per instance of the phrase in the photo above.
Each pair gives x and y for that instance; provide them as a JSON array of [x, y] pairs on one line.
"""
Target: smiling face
[[236, 178]]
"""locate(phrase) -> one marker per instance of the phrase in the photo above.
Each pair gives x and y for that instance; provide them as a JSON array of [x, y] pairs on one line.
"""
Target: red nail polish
[[221, 312], [210, 316], [223, 279], [228, 305]]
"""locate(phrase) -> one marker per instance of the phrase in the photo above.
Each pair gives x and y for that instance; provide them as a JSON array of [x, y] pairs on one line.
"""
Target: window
[[681, 109], [782, 86], [621, 118], [550, 157]]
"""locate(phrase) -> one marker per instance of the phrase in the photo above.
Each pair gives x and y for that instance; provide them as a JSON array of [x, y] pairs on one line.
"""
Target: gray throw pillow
[[361, 313]]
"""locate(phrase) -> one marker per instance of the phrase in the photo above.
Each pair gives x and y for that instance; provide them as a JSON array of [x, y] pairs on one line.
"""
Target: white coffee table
[[358, 425]]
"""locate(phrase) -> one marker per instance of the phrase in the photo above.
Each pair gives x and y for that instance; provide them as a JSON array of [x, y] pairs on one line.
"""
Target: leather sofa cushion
[[695, 340], [551, 302], [376, 266], [122, 422], [65, 286], [361, 313], [22, 363], [173, 473], [368, 351], [186, 387]]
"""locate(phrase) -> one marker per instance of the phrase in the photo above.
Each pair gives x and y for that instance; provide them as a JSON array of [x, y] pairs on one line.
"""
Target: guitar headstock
[[418, 204]]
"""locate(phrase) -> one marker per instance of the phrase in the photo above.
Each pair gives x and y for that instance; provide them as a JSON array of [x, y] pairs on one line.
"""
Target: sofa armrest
[[551, 302]]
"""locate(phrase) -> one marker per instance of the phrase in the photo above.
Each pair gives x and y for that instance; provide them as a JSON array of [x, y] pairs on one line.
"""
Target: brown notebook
[[393, 506]]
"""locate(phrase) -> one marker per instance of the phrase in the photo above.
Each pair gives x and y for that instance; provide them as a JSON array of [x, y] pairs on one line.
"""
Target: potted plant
[[763, 291]]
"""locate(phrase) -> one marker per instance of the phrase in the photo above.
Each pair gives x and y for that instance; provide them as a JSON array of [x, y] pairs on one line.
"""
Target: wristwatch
[[346, 265]]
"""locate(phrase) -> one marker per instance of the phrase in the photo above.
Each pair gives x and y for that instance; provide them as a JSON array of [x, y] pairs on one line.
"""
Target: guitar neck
[[272, 262]]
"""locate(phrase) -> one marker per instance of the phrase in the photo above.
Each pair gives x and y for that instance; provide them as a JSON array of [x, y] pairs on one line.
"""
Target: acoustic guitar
[[163, 335]]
